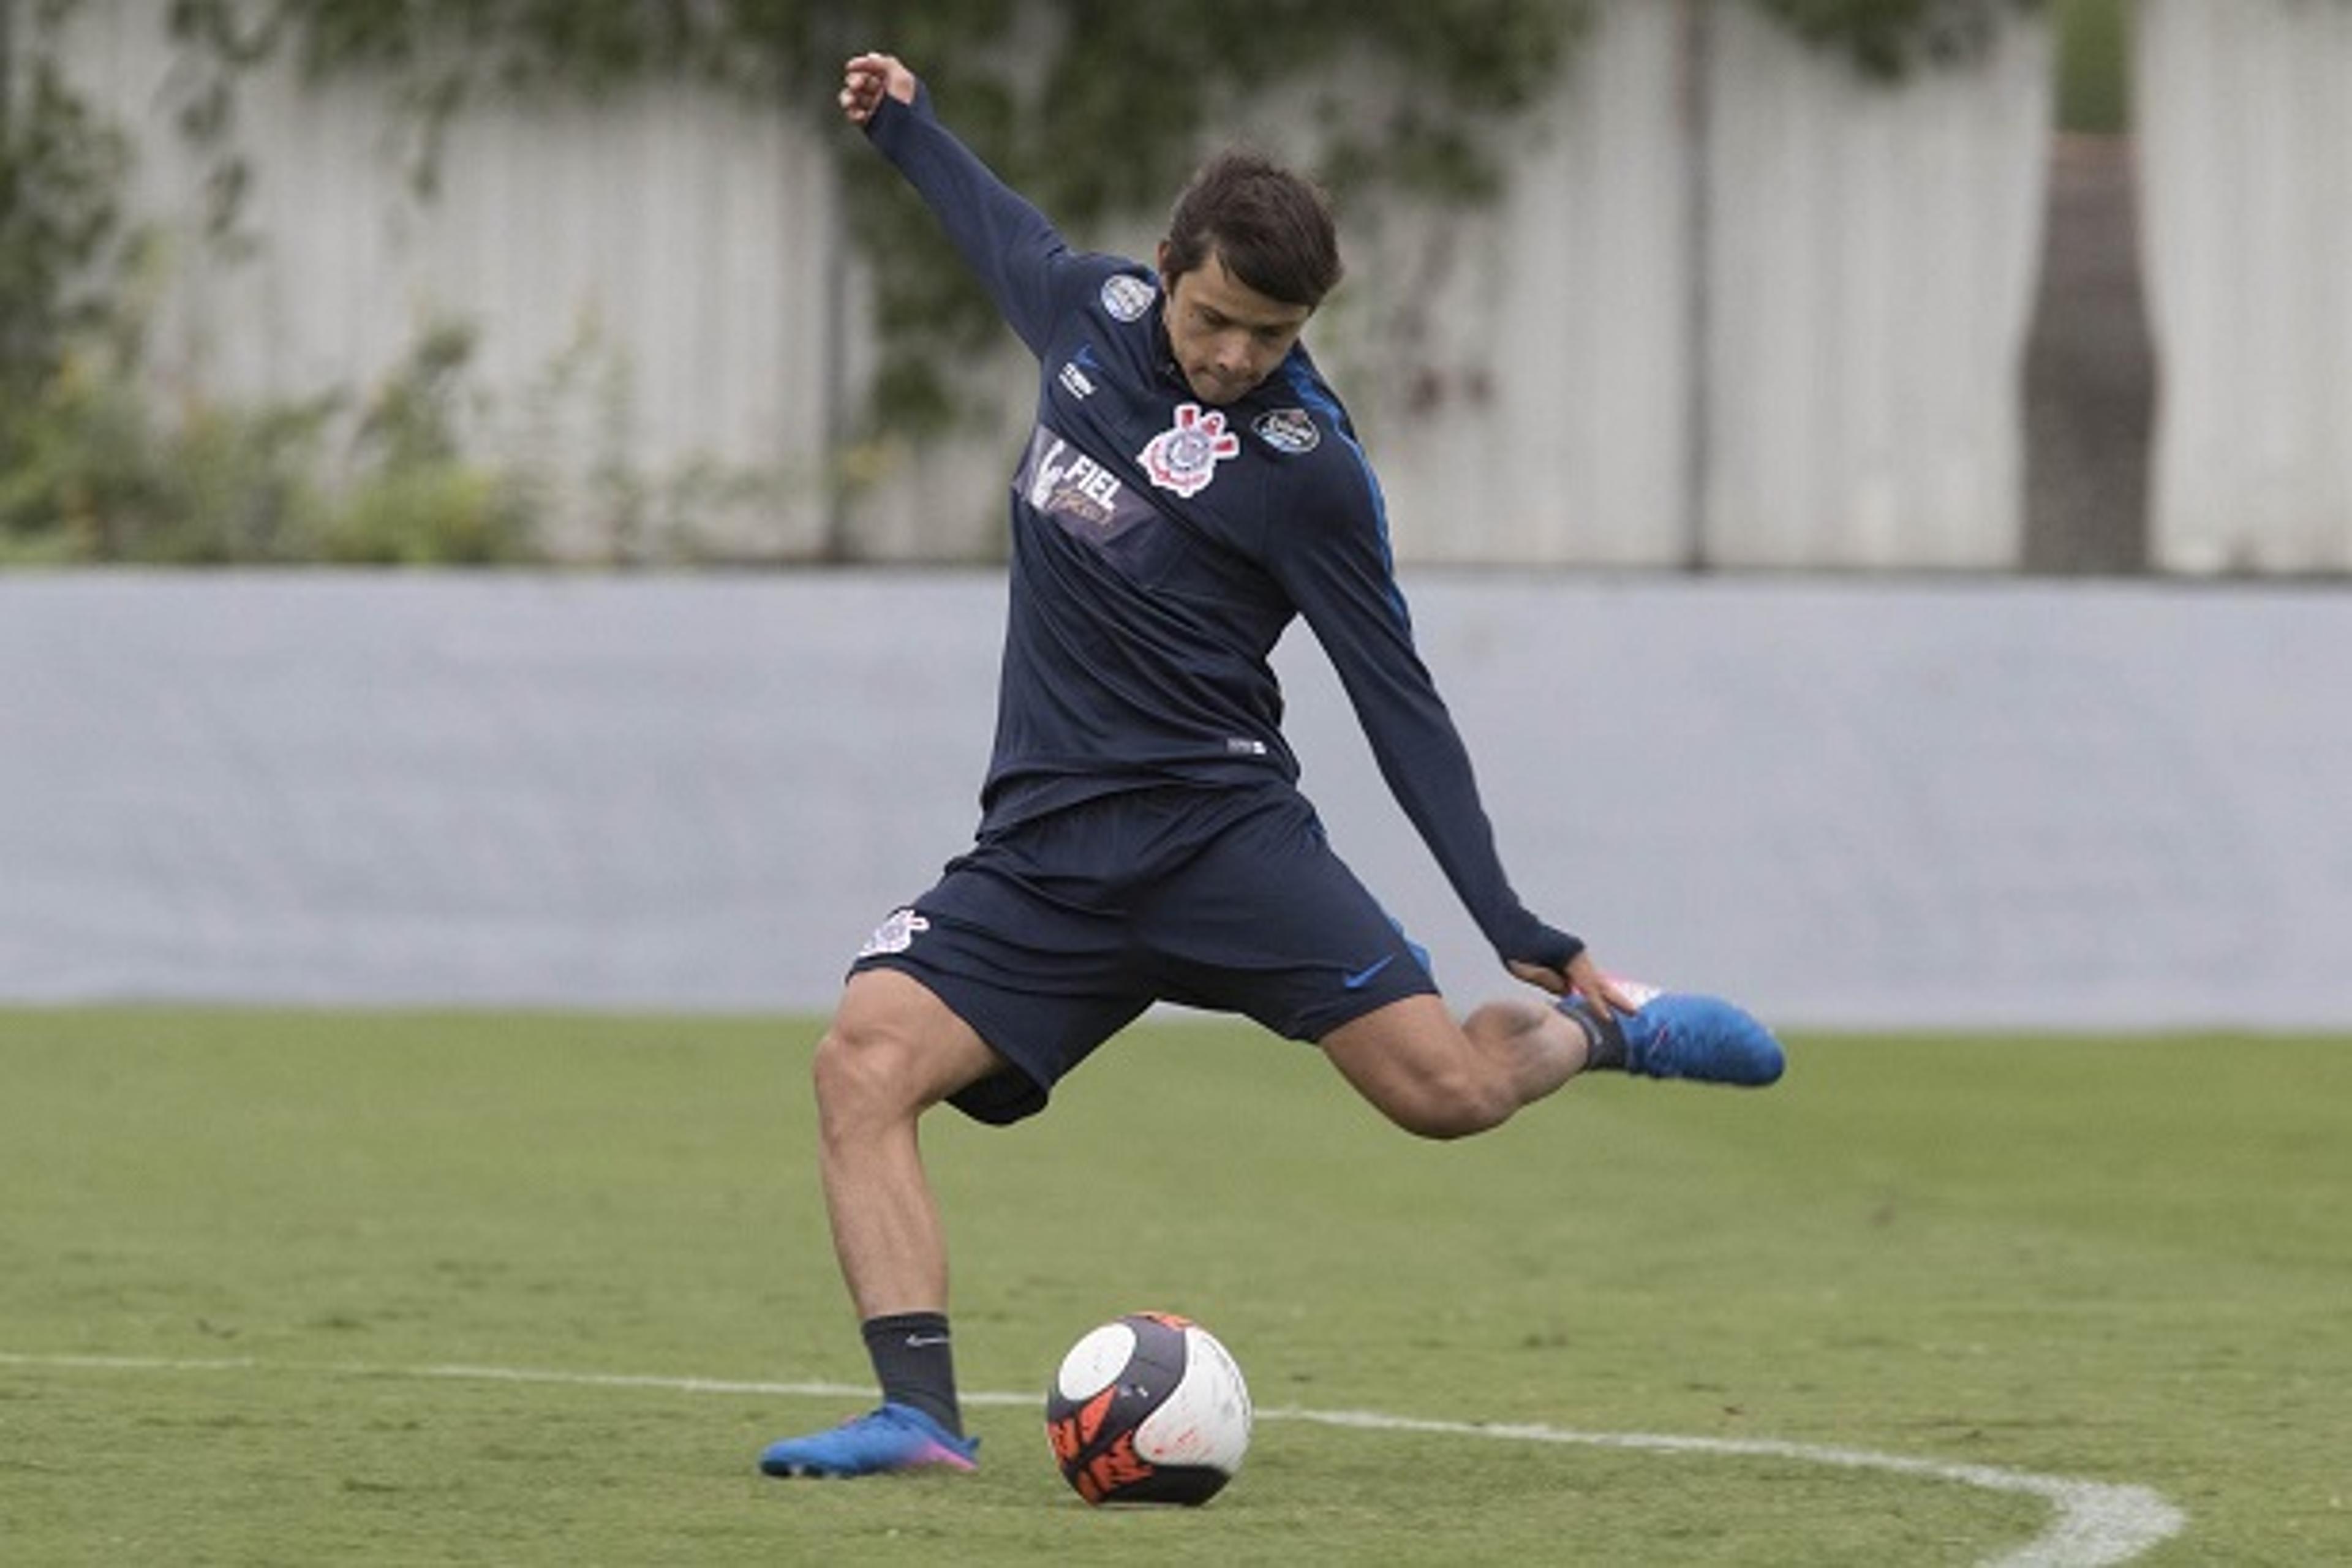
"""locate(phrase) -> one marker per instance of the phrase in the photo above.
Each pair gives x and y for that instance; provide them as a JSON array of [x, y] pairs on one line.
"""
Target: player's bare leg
[[1439, 1080], [1442, 1079], [894, 1051]]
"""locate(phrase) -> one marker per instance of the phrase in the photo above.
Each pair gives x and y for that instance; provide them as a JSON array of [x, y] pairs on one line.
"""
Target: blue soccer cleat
[[894, 1438], [1680, 1034]]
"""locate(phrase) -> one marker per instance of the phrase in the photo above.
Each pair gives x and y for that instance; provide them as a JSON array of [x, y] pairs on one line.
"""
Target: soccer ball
[[1147, 1409]]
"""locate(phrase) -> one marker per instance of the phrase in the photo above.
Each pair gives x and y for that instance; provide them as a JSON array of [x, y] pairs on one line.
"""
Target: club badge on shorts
[[1184, 457]]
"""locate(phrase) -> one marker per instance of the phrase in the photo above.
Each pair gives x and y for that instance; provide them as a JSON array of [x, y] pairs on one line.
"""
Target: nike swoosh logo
[[1363, 978], [917, 1341]]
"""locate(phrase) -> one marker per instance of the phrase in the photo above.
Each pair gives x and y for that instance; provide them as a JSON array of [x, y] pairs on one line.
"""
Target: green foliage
[[95, 474], [60, 174], [1108, 119], [442, 514], [1890, 39], [101, 472], [1096, 110], [2094, 65], [415, 500]]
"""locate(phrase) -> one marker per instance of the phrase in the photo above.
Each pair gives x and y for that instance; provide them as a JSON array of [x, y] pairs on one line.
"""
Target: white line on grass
[[2097, 1523]]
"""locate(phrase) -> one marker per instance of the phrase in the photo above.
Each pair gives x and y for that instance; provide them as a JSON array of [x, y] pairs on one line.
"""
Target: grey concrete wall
[[1848, 802]]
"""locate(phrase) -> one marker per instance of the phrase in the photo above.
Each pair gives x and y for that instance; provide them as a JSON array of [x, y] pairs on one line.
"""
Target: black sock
[[915, 1363], [1604, 1037]]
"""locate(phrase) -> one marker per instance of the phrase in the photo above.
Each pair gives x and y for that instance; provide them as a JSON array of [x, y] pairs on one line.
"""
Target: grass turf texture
[[2112, 1259]]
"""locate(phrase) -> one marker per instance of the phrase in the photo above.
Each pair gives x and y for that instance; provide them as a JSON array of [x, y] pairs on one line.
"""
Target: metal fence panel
[[2245, 141]]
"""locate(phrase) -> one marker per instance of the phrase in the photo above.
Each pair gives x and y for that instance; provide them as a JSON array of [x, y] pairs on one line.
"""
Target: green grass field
[[245, 1258]]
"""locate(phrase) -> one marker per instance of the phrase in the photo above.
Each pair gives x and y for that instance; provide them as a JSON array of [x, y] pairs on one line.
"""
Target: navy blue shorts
[[1052, 936]]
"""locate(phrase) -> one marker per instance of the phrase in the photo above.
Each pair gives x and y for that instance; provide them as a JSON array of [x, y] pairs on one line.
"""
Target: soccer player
[[1190, 484]]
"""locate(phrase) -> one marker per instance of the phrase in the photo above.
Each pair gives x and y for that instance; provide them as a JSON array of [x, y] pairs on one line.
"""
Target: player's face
[[1227, 337]]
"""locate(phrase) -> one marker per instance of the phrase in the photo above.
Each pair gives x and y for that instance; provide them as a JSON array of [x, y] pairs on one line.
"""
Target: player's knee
[[863, 1074], [1459, 1105], [1422, 1072]]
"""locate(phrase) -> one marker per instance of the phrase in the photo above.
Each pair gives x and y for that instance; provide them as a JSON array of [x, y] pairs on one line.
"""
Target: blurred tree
[[2094, 65], [1890, 38], [1096, 110], [60, 172]]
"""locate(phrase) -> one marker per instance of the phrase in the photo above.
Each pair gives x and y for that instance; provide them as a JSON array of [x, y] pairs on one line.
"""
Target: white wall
[[2245, 149], [1846, 803], [1545, 414], [1846, 267], [1843, 268], [669, 245], [1863, 254], [1871, 256]]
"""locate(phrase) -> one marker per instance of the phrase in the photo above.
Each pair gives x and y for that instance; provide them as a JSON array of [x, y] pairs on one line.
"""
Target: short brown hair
[[1272, 226]]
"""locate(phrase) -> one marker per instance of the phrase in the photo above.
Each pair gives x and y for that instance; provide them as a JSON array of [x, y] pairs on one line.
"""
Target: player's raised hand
[[867, 77]]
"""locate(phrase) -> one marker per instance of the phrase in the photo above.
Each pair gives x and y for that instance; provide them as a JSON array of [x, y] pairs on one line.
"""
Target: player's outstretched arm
[[867, 77], [1015, 252]]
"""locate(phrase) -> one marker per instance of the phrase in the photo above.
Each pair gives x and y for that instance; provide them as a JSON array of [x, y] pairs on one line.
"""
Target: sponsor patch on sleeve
[[1290, 430], [1126, 297]]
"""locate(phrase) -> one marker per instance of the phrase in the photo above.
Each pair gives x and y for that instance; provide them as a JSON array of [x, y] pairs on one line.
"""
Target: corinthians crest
[[1184, 457]]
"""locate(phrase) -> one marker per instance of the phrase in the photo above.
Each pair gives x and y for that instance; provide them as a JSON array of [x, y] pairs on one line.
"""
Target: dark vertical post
[[838, 544], [7, 64], [1697, 90], [2090, 373]]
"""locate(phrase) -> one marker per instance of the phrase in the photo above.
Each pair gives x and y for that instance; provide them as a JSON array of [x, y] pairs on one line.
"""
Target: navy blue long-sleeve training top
[[1161, 546]]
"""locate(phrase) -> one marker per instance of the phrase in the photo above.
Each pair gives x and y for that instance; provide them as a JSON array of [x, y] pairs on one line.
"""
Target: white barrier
[[1848, 803], [1781, 331], [2248, 194]]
